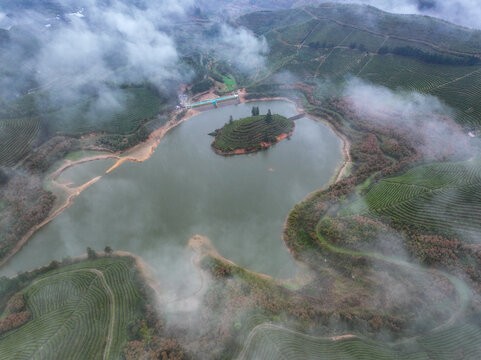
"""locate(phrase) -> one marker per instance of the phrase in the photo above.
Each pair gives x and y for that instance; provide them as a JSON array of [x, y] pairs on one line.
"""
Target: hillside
[[80, 309], [368, 19], [77, 311], [441, 197], [23, 125], [252, 134], [334, 41]]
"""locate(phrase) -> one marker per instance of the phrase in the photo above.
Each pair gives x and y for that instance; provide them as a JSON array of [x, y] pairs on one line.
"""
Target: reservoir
[[153, 208]]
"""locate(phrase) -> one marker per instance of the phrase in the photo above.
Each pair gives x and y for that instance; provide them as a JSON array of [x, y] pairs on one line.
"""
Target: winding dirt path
[[460, 286], [108, 343], [316, 74], [372, 57]]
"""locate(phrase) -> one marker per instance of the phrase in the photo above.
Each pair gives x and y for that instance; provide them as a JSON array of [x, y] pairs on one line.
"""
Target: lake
[[153, 208]]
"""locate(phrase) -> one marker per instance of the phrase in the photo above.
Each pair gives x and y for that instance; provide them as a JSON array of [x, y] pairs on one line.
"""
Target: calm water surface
[[153, 208]]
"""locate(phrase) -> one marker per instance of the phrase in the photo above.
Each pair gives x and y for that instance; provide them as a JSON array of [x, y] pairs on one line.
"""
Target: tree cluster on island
[[256, 112], [252, 133]]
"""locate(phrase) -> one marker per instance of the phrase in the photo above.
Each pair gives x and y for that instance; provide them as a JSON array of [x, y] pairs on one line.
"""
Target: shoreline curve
[[143, 151]]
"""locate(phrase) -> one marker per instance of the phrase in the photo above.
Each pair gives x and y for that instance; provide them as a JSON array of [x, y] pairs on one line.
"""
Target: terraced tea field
[[136, 105], [249, 133], [325, 43], [443, 197], [18, 134], [268, 341], [458, 86], [16, 138], [78, 312]]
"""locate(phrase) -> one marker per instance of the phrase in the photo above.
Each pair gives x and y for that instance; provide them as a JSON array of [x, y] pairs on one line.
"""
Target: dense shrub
[[16, 304], [202, 86], [14, 321]]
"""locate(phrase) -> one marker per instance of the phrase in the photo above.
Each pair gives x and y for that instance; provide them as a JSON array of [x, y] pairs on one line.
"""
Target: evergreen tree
[[91, 254], [268, 116], [108, 250]]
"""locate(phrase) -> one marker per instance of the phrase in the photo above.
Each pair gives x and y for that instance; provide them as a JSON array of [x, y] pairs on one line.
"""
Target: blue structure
[[213, 101]]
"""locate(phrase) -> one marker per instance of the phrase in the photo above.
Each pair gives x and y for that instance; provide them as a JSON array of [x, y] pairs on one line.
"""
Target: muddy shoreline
[[72, 194], [137, 153]]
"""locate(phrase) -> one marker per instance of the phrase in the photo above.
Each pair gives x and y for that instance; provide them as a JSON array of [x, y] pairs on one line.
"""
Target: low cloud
[[423, 116], [99, 44], [462, 12], [285, 77], [369, 97], [120, 43], [242, 48]]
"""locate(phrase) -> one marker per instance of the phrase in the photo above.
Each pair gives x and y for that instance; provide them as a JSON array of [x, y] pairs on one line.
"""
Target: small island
[[252, 133]]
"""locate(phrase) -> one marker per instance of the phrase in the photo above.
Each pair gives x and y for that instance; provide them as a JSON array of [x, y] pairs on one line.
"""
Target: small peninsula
[[252, 133]]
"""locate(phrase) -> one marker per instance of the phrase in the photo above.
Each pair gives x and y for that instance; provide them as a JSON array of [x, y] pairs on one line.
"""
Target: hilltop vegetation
[[369, 19], [252, 133], [332, 41], [376, 211]]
